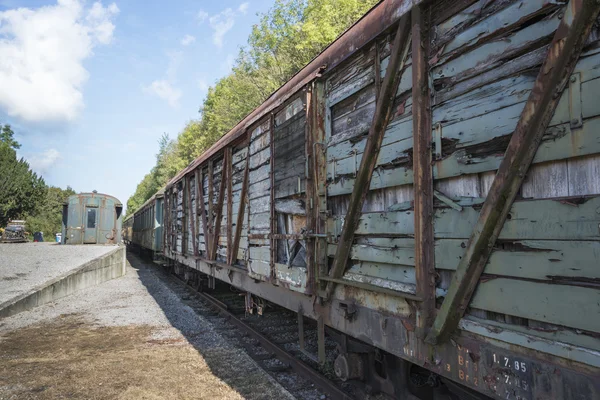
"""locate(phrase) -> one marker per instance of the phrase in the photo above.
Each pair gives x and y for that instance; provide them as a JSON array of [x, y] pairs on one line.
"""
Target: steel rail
[[298, 366]]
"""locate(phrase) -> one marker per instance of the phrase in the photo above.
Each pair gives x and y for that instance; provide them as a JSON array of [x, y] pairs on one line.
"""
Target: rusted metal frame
[[364, 31], [373, 288], [202, 209], [220, 202], [229, 175], [554, 74], [211, 215], [197, 214], [241, 210], [184, 217], [320, 177], [194, 214], [423, 173], [362, 182], [280, 236], [311, 216], [273, 213]]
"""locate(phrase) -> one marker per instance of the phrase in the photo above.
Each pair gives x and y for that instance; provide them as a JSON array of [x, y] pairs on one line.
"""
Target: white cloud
[[165, 88], [221, 24], [243, 8], [42, 162], [201, 16], [187, 40], [41, 57], [166, 91]]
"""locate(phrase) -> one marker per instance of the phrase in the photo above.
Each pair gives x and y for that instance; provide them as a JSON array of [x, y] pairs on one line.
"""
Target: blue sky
[[89, 87]]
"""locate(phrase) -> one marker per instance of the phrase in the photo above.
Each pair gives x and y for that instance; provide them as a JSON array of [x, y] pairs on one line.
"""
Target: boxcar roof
[[117, 201], [371, 25]]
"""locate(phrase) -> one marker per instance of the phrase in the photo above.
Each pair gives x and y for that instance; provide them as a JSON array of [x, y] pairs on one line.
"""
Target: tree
[[20, 188], [7, 137], [47, 217], [286, 38]]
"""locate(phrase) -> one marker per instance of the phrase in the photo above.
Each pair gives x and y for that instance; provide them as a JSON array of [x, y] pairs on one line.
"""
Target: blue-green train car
[[91, 218], [143, 229]]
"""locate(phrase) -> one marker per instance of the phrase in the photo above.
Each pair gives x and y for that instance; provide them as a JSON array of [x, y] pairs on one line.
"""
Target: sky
[[89, 87]]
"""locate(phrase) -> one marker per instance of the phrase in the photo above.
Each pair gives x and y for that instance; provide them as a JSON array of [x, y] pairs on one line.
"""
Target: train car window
[[91, 218]]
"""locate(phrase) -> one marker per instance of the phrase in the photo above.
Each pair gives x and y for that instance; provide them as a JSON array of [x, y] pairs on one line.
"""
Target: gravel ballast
[[147, 343], [25, 266]]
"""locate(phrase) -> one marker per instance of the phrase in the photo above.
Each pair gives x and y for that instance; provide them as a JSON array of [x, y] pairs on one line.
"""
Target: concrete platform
[[32, 274]]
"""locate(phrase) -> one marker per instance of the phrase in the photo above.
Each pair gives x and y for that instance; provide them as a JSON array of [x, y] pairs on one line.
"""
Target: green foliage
[[47, 217], [7, 137], [20, 188], [287, 38]]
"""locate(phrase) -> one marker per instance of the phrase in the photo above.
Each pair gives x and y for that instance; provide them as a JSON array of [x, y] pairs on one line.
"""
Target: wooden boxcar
[[427, 187], [144, 229], [91, 218]]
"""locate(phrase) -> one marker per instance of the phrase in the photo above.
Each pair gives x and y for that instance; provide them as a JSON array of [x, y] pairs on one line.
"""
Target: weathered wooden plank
[[290, 206], [393, 154], [583, 175], [260, 174], [260, 142], [382, 178], [556, 304], [533, 219], [528, 61], [397, 130], [553, 77], [292, 109], [262, 253], [463, 186], [568, 262], [391, 272], [382, 250], [260, 205], [258, 189], [484, 100], [546, 181], [363, 80], [261, 158], [259, 221], [364, 175], [290, 186], [513, 16], [493, 53]]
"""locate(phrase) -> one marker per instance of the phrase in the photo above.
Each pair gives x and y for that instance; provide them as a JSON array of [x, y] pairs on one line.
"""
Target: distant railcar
[[443, 226], [144, 228], [92, 218]]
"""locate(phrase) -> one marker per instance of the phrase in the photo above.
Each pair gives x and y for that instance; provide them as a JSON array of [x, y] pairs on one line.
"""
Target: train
[[427, 189], [92, 218]]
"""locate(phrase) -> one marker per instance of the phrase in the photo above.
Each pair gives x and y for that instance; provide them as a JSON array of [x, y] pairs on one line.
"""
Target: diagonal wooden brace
[[563, 54], [383, 113]]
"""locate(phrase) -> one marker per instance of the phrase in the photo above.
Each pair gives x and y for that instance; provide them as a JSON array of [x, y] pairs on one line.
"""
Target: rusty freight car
[[428, 190]]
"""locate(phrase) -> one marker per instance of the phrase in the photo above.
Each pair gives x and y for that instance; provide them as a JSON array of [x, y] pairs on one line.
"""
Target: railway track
[[271, 339]]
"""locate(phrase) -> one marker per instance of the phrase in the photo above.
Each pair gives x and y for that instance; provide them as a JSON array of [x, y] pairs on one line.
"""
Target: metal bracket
[[575, 107], [437, 139]]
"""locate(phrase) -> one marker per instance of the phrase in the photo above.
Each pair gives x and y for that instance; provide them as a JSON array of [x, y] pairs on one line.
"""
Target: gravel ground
[[178, 353], [23, 266]]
